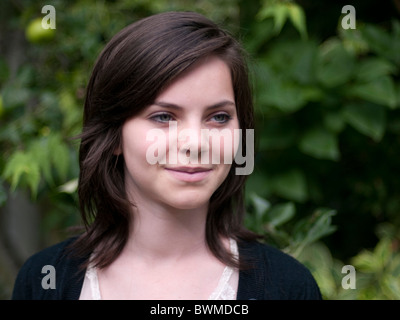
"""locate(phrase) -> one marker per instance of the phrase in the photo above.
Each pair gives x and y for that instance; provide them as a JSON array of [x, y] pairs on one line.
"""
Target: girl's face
[[172, 157]]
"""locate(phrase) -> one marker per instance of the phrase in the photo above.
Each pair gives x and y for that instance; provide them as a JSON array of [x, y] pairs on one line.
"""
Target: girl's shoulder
[[49, 274]]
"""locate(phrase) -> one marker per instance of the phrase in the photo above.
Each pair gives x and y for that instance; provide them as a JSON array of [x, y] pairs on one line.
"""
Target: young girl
[[170, 228]]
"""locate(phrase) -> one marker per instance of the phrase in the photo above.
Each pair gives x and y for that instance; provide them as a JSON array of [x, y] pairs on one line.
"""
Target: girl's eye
[[221, 118], [162, 117]]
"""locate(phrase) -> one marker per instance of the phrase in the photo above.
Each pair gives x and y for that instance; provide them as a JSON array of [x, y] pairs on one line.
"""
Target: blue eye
[[221, 118], [162, 117]]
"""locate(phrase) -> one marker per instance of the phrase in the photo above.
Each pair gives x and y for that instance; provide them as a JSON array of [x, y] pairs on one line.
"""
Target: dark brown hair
[[129, 74]]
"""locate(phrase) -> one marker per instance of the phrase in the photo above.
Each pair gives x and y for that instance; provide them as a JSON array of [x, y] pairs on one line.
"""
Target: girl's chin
[[187, 202]]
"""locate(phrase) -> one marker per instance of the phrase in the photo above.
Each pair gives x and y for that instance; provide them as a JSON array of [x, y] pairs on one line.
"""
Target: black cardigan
[[275, 275]]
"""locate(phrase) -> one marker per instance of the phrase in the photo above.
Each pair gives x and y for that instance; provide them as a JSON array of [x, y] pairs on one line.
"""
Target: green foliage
[[281, 11], [277, 225], [376, 271], [312, 97], [376, 277], [315, 102], [382, 265], [41, 156]]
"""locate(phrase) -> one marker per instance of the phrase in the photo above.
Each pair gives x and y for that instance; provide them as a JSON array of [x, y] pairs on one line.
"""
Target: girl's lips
[[189, 175]]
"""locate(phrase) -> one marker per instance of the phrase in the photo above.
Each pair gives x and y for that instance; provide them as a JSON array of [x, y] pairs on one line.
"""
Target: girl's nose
[[192, 144]]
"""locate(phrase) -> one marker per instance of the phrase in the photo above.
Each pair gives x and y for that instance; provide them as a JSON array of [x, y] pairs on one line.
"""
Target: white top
[[225, 290]]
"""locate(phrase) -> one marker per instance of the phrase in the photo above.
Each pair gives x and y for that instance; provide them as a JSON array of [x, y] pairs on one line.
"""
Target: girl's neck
[[160, 232]]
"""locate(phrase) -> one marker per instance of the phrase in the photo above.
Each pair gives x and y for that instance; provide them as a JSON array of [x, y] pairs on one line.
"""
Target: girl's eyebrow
[[217, 105]]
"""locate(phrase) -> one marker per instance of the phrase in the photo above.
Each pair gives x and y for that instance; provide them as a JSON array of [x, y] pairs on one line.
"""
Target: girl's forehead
[[207, 80]]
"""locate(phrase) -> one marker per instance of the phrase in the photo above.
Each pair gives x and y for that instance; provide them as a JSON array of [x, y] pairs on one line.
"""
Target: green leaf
[[367, 118], [59, 155], [392, 287], [261, 32], [256, 184], [334, 65], [279, 12], [379, 90], [365, 261], [283, 95], [280, 214], [320, 262], [39, 151], [267, 11], [322, 225], [254, 221], [312, 229], [334, 121], [298, 18], [372, 68], [382, 42], [260, 205], [320, 143], [292, 60], [353, 41], [70, 110], [376, 260], [22, 169], [290, 185]]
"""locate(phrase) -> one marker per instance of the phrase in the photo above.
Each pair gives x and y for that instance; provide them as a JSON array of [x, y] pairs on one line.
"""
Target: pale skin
[[166, 255]]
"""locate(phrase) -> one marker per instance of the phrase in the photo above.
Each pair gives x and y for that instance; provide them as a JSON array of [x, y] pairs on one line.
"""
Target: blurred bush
[[325, 187]]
